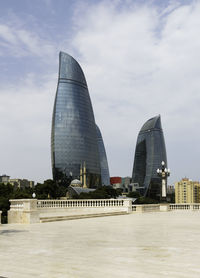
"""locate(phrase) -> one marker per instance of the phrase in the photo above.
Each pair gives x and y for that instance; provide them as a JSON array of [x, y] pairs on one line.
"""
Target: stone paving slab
[[151, 245]]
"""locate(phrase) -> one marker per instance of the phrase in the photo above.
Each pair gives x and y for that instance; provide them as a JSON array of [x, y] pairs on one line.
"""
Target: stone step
[[73, 217]]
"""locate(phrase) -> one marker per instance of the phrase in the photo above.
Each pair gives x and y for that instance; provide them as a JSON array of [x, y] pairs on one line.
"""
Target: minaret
[[81, 174], [84, 176]]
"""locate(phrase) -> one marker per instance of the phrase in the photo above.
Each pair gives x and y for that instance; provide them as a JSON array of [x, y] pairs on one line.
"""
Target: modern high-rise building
[[149, 153], [74, 136], [187, 191], [105, 176]]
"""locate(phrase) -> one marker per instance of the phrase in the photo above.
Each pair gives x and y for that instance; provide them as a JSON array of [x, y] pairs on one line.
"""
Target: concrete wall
[[80, 211], [151, 208]]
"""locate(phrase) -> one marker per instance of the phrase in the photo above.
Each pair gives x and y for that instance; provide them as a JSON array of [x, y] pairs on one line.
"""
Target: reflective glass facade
[[74, 136], [105, 176], [150, 152]]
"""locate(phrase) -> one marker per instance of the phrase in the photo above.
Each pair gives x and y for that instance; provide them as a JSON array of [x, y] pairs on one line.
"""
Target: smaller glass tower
[[105, 176], [150, 151]]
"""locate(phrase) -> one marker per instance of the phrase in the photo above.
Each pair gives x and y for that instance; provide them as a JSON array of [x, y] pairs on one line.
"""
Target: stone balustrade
[[43, 204], [23, 211], [34, 211], [164, 207], [184, 206], [17, 205]]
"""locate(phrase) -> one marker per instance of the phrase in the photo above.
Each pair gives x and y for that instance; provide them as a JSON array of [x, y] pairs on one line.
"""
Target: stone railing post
[[164, 207], [23, 211], [0, 216], [191, 207], [139, 208], [128, 204]]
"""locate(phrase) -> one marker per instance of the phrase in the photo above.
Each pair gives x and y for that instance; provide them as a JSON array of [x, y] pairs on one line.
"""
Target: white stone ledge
[[29, 211]]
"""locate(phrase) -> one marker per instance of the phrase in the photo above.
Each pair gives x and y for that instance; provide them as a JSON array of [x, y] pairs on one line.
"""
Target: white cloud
[[25, 112], [139, 62], [20, 42], [7, 35]]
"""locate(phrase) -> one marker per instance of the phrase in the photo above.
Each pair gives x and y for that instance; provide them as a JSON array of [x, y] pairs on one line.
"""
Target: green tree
[[49, 189], [145, 200], [103, 192], [134, 194], [6, 193], [6, 190]]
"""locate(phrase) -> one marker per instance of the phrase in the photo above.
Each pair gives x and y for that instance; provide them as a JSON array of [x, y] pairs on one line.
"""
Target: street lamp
[[33, 195], [163, 173]]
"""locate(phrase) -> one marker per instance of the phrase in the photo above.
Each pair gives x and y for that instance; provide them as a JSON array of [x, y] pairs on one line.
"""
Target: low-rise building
[[187, 191], [137, 188], [21, 183], [116, 182], [4, 179], [18, 183], [122, 183]]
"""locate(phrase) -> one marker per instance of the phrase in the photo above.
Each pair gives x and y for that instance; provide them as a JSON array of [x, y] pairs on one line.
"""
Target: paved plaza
[[160, 244]]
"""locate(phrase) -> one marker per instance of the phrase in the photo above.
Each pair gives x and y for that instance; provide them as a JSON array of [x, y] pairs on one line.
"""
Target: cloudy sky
[[140, 59]]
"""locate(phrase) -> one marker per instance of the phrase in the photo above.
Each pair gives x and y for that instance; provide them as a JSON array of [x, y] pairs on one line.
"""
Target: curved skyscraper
[[74, 136], [105, 176], [149, 153]]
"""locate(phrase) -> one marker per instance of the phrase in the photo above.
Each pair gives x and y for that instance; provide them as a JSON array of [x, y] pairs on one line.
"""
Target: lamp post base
[[163, 199]]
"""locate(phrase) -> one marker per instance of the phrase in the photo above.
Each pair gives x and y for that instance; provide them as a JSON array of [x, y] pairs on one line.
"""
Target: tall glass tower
[[74, 135], [149, 153], [105, 176]]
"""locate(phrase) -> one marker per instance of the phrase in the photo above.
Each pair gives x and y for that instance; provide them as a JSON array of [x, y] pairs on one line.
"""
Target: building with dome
[[76, 183], [150, 151], [76, 188]]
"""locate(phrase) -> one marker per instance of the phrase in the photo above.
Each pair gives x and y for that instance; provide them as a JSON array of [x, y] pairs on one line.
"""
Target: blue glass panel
[[74, 137], [105, 176]]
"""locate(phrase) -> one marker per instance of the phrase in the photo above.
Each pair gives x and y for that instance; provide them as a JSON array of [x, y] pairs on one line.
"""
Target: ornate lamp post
[[163, 173]]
